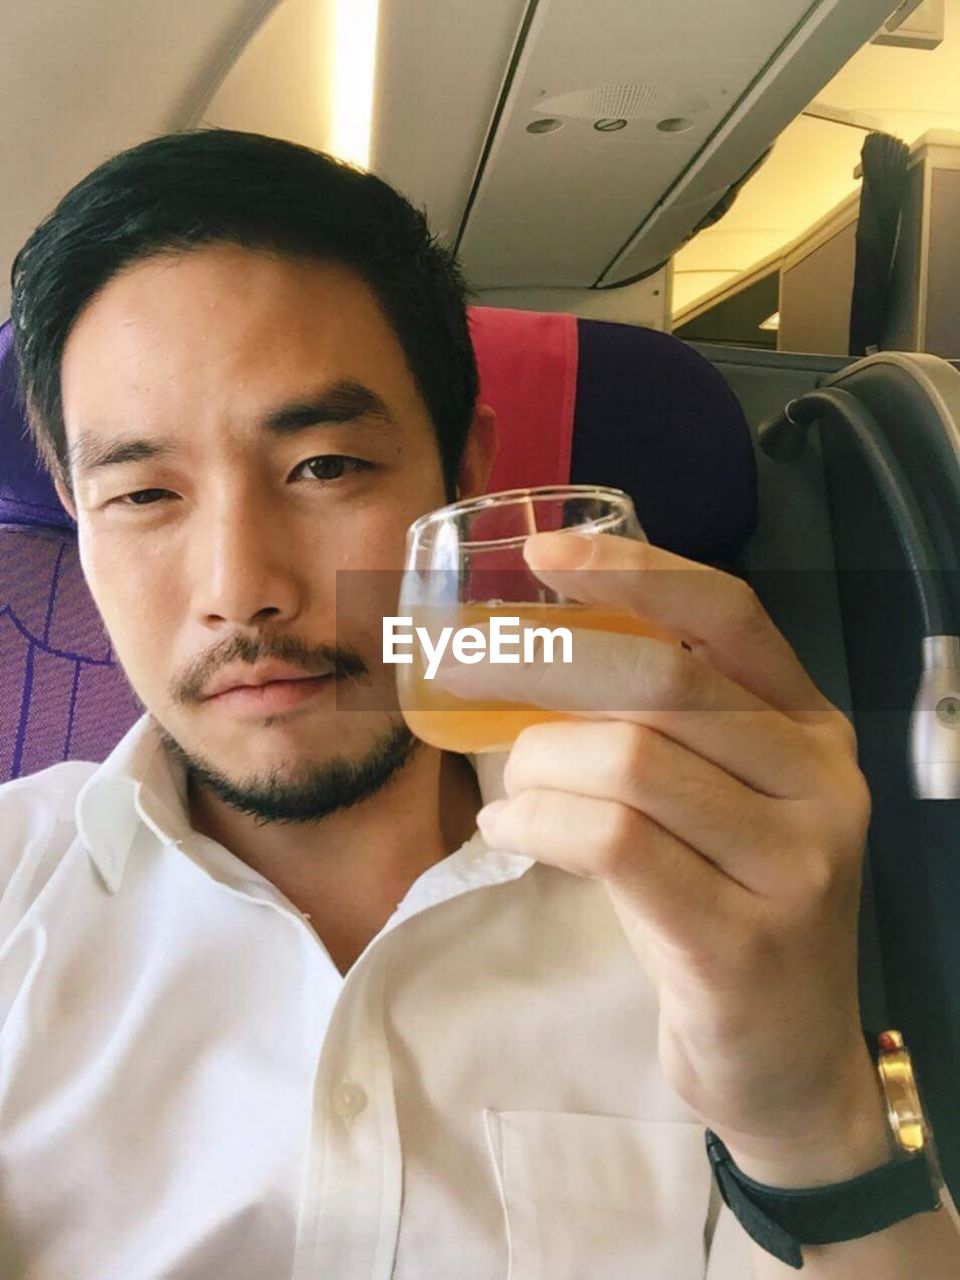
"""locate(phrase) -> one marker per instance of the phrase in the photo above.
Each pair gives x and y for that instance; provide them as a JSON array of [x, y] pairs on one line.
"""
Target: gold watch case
[[904, 1108]]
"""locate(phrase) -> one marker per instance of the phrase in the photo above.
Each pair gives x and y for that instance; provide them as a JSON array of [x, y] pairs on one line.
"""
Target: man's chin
[[304, 789]]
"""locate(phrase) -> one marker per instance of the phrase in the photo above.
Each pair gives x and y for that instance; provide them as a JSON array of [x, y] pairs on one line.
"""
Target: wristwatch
[[781, 1220]]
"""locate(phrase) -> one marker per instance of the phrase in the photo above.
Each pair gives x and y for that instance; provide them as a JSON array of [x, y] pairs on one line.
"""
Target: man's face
[[271, 434]]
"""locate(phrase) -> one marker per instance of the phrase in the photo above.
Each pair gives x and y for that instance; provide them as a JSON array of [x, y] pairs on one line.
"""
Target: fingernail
[[561, 550]]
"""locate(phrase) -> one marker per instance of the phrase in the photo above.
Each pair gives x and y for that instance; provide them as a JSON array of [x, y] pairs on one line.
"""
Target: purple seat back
[[651, 417], [62, 696]]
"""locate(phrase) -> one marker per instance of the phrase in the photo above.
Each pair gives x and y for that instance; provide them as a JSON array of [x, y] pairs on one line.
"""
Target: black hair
[[207, 186]]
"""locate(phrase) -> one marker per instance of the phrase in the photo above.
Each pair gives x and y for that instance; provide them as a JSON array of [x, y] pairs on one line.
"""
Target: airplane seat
[[914, 842], [830, 562], [596, 402], [585, 401], [62, 696]]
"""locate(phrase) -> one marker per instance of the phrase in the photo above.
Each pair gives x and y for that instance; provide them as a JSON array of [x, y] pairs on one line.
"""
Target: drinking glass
[[464, 566]]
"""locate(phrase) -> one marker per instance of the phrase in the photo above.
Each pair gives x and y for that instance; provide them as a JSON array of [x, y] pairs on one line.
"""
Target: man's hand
[[716, 794]]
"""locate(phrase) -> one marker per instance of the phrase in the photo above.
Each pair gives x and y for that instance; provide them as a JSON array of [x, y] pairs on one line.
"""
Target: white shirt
[[189, 1089]]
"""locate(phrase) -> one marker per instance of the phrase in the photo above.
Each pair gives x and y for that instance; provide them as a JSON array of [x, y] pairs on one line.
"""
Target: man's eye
[[142, 497], [332, 466]]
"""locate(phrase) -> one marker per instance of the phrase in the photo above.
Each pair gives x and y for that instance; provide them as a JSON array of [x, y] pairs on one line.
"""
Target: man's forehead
[[232, 286], [225, 322]]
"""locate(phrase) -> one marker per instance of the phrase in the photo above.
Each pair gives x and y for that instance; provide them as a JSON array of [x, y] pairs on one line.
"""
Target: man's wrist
[[848, 1142]]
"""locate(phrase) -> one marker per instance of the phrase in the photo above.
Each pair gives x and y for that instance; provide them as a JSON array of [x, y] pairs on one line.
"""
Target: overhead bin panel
[[441, 66], [622, 122], [827, 39]]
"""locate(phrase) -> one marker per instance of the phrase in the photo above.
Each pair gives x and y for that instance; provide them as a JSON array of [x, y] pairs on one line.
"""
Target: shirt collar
[[140, 782], [137, 783]]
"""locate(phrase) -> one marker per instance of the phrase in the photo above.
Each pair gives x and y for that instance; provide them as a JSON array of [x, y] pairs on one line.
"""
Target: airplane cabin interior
[[714, 259]]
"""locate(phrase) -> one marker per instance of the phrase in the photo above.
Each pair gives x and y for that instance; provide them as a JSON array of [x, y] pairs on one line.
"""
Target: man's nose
[[248, 567]]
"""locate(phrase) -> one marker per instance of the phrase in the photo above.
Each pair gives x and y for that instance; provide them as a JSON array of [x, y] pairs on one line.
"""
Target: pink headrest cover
[[528, 375]]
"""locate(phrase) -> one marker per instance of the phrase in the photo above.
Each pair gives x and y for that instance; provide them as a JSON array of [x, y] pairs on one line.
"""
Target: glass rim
[[513, 497]]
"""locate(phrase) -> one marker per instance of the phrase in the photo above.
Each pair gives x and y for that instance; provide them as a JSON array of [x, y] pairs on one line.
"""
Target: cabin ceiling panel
[[84, 80], [280, 85], [457, 83], [563, 207], [831, 33], [553, 208], [440, 68]]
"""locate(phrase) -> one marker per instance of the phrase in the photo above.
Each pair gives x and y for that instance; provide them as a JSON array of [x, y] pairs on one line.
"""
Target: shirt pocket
[[600, 1196]]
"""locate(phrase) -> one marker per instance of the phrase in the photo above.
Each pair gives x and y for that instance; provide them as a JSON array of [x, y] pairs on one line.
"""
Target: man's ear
[[65, 498], [479, 453]]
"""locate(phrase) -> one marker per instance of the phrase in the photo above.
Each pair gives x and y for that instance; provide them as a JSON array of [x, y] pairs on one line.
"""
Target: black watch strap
[[781, 1220]]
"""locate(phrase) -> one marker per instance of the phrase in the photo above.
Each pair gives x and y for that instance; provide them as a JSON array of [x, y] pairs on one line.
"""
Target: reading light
[[675, 124], [546, 124]]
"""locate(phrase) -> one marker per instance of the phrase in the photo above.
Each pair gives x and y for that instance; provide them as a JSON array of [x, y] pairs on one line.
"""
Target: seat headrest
[[594, 402], [27, 495]]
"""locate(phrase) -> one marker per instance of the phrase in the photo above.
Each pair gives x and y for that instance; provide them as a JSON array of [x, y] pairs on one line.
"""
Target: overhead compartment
[[611, 129]]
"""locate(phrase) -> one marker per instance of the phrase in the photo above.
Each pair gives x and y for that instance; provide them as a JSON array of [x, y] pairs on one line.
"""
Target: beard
[[318, 790], [312, 791]]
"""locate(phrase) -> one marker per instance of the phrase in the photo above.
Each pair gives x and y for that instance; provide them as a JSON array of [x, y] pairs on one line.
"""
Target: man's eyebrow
[[90, 451], [342, 402]]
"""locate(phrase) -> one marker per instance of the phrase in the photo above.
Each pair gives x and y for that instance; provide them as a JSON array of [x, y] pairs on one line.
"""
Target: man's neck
[[349, 871]]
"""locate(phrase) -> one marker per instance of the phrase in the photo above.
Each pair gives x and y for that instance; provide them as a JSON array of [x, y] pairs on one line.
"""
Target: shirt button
[[349, 1100]]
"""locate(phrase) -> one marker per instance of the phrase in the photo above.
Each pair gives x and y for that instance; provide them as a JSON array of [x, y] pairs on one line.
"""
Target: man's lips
[[244, 677], [265, 688], [273, 695]]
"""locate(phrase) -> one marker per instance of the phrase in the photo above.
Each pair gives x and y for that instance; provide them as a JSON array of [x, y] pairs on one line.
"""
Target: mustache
[[315, 659]]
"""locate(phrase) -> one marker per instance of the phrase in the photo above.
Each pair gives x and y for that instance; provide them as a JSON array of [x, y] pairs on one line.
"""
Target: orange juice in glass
[[464, 567]]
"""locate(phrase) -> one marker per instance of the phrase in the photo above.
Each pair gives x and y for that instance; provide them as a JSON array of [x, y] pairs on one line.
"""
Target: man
[[273, 1005]]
